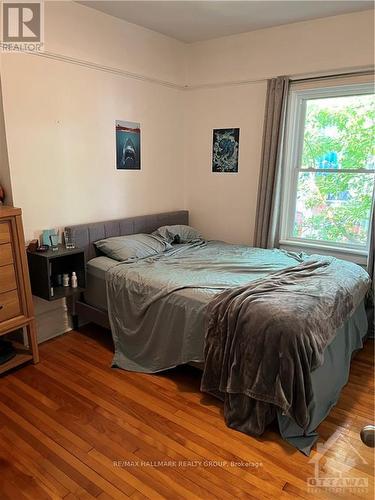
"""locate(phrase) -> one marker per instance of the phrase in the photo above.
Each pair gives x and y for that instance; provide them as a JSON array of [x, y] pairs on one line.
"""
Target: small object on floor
[[7, 351], [368, 435]]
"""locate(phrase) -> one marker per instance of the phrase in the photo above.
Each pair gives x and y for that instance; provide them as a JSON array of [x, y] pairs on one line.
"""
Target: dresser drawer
[[4, 232], [9, 305], [7, 278], [6, 254]]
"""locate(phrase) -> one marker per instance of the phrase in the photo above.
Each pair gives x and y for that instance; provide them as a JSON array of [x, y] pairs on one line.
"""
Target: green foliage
[[336, 206], [346, 126]]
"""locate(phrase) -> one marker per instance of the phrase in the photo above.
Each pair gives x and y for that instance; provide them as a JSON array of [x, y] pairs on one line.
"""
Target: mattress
[[96, 294]]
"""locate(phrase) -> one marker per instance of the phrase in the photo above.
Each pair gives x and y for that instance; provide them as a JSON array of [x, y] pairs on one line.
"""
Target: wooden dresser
[[16, 306]]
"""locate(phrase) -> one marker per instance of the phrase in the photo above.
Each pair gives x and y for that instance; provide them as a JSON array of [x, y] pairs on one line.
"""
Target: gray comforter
[[157, 306], [265, 338]]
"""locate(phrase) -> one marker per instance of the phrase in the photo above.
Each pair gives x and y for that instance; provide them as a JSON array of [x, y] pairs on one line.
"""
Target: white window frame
[[292, 166]]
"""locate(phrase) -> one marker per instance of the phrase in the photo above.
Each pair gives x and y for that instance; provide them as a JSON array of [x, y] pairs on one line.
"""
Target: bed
[[163, 325]]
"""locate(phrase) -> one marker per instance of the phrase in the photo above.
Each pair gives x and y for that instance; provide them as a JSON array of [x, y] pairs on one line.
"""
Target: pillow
[[132, 247], [178, 234]]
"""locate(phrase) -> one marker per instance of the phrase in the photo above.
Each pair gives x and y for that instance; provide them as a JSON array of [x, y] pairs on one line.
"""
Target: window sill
[[357, 256]]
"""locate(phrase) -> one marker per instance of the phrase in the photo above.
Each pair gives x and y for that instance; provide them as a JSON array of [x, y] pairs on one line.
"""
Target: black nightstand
[[44, 268]]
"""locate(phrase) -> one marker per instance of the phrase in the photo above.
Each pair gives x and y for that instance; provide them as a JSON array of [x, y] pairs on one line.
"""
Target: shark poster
[[128, 145]]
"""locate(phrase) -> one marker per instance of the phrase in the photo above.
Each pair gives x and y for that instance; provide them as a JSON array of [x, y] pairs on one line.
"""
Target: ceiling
[[191, 21]]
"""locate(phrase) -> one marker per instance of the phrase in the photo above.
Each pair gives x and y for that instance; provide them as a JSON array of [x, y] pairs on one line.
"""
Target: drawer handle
[[1, 306]]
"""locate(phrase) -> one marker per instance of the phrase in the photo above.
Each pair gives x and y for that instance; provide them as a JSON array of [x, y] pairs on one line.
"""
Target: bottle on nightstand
[[65, 279], [74, 280]]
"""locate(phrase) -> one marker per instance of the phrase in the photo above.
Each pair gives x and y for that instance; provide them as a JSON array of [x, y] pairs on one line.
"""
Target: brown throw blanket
[[264, 339]]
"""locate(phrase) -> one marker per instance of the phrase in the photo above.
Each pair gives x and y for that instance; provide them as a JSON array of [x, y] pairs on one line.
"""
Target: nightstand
[[44, 268]]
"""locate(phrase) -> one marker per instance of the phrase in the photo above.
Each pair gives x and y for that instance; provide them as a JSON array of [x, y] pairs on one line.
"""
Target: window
[[329, 167]]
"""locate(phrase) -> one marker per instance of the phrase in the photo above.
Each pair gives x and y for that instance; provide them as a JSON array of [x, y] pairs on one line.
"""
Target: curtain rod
[[294, 78], [301, 79]]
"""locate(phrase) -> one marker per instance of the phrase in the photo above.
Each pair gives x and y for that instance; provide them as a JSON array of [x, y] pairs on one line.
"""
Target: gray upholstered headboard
[[85, 235]]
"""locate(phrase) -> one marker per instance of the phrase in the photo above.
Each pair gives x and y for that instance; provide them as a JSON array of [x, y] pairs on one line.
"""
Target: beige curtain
[[269, 188]]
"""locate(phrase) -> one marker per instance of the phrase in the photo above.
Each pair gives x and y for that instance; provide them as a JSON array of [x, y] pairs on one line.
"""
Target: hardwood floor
[[71, 427]]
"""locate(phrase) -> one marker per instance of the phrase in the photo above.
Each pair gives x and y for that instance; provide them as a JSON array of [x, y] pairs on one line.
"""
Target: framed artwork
[[225, 147], [128, 145]]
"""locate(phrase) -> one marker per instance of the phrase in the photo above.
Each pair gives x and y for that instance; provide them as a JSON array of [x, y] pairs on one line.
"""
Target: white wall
[[5, 180], [84, 33], [223, 206], [60, 118], [326, 44], [61, 140]]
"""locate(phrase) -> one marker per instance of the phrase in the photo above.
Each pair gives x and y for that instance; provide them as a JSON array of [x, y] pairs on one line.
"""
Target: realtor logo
[[339, 475], [22, 26]]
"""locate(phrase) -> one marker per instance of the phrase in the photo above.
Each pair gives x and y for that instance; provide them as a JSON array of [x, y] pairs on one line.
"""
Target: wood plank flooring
[[71, 427]]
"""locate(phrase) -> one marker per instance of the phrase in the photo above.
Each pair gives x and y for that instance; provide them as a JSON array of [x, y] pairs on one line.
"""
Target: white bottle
[[74, 281]]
